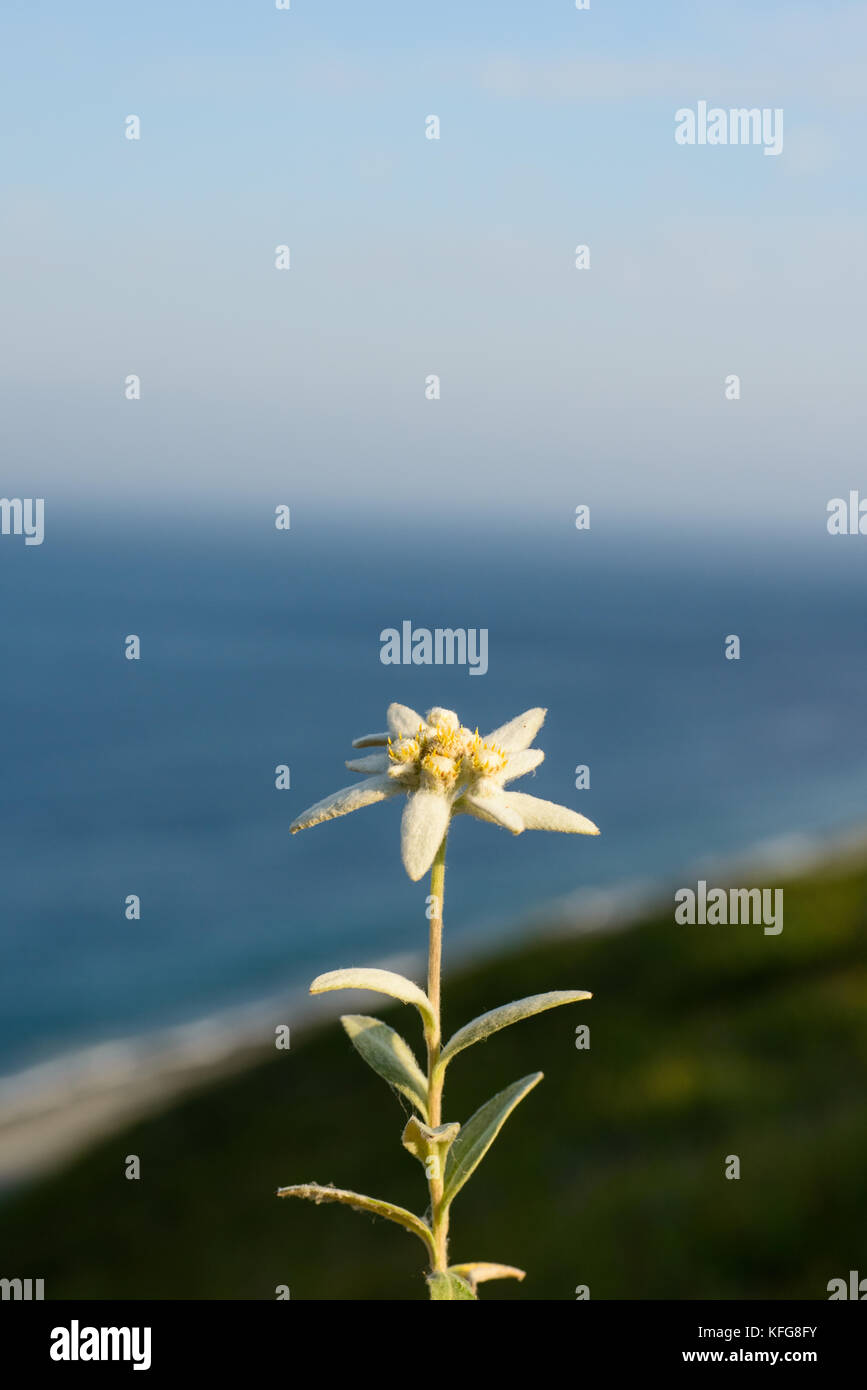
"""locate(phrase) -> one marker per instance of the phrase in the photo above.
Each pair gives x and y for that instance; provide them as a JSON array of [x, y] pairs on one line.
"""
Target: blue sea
[[261, 648]]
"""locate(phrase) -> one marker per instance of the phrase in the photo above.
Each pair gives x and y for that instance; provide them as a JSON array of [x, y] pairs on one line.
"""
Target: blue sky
[[455, 257]]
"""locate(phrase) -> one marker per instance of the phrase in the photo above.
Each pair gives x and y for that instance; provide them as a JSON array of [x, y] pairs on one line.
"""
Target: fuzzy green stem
[[433, 1039]]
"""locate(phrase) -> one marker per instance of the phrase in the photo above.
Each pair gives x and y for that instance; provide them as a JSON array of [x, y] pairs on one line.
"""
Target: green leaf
[[382, 981], [486, 1024], [478, 1272], [390, 1056], [479, 1133], [315, 1192], [448, 1286], [422, 1141]]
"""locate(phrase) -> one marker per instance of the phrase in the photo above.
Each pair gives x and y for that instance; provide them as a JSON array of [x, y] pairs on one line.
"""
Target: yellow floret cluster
[[447, 752]]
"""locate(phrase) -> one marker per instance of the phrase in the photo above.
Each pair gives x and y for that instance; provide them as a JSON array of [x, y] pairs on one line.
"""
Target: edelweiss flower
[[447, 770]]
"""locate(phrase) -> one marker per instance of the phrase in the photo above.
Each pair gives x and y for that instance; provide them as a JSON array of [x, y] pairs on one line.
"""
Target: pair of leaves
[[399, 987], [387, 1052]]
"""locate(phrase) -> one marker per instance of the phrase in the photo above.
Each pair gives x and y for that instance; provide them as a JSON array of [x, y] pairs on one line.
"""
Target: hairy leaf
[[390, 1057], [422, 1141], [486, 1024], [315, 1192], [478, 1272], [382, 981], [479, 1133]]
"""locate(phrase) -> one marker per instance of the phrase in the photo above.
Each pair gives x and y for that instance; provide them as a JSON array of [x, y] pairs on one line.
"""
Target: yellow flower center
[[406, 750], [446, 752], [440, 768], [487, 759]]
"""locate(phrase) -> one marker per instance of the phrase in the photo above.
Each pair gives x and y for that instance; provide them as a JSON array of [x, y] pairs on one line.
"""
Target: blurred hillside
[[705, 1042]]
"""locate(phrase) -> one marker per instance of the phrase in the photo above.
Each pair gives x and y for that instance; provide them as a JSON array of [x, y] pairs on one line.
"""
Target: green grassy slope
[[705, 1042]]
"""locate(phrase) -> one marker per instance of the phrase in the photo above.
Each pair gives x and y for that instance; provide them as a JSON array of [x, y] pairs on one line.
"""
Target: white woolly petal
[[425, 821], [493, 808], [520, 764], [374, 762], [403, 721], [438, 715], [371, 741], [547, 815], [348, 799], [518, 733], [404, 772]]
